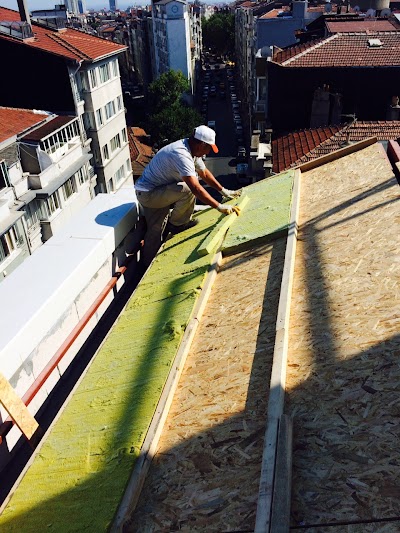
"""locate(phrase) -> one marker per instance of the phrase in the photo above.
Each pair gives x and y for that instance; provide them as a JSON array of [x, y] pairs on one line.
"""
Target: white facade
[[99, 104], [172, 38]]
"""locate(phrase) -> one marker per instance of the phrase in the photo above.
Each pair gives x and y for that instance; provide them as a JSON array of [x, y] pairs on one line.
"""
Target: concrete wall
[[49, 293]]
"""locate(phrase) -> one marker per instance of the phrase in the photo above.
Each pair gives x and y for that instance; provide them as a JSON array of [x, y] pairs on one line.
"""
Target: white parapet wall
[[47, 295]]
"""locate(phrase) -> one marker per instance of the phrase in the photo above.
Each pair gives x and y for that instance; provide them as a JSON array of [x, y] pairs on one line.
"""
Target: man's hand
[[227, 193], [227, 209]]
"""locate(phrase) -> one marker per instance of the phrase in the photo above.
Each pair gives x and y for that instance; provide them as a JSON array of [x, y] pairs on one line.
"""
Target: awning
[[27, 197]]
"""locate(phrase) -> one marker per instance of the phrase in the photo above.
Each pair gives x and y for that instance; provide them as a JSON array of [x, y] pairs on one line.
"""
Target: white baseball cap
[[207, 135]]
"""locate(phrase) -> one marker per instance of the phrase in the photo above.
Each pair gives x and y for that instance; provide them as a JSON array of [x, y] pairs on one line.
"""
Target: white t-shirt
[[169, 165]]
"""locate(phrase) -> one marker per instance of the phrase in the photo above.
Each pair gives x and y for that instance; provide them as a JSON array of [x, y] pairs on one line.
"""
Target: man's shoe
[[170, 228]]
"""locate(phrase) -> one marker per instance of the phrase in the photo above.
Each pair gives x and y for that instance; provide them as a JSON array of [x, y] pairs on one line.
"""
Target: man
[[170, 182]]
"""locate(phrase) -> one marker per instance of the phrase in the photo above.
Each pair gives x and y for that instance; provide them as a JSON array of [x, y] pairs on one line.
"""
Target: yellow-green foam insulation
[[77, 479], [266, 215]]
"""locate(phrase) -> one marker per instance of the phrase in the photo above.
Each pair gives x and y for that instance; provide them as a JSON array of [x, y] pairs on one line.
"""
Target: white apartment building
[[78, 74], [177, 37], [45, 178]]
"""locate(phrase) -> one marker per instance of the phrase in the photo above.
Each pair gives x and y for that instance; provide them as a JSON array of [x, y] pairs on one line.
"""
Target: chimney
[[23, 11]]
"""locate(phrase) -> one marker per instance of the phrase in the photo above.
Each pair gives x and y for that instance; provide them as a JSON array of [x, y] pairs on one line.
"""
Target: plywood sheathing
[[343, 362], [205, 475]]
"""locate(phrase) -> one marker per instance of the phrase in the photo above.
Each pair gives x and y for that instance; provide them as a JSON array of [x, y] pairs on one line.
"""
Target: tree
[[219, 33], [170, 118]]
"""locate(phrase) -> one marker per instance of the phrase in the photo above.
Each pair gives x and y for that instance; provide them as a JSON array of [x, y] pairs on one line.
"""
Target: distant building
[[113, 5]]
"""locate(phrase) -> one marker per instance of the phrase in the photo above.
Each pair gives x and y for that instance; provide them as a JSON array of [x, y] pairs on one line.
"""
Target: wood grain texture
[[16, 408]]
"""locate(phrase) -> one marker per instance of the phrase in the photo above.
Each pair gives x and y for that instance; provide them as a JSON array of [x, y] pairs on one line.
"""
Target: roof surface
[[14, 121], [48, 128], [302, 146], [359, 25], [140, 152], [68, 43], [344, 50]]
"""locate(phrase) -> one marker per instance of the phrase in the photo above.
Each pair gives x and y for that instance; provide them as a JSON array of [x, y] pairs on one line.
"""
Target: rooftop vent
[[374, 43]]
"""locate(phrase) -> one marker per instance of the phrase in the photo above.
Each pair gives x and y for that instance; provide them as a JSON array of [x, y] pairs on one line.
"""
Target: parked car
[[213, 90], [222, 94], [241, 152]]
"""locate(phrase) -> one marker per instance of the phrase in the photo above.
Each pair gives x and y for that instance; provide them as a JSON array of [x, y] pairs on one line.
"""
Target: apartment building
[[65, 71], [45, 178], [176, 38]]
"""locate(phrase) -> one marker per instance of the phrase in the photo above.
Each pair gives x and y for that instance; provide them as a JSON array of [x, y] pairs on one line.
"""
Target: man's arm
[[209, 178], [200, 192]]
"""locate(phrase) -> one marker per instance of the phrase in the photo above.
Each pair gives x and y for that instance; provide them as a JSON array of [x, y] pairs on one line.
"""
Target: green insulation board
[[266, 215], [77, 478]]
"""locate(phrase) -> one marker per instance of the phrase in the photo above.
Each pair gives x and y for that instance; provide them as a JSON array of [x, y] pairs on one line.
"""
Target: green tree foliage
[[219, 33], [170, 118]]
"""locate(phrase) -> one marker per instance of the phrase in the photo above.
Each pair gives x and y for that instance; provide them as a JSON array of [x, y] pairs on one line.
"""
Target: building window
[[9, 241], [99, 117], [32, 215], [119, 103], [82, 175], [114, 67], [104, 71], [110, 109], [124, 137], [4, 178], [128, 165], [106, 154], [115, 143], [83, 80], [120, 174], [49, 206], [69, 188], [62, 137], [93, 78]]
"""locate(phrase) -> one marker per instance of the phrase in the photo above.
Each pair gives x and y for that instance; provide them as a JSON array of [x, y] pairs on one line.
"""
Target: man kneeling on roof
[[170, 182]]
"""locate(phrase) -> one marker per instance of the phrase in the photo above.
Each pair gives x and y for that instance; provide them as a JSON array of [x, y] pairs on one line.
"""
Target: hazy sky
[[91, 4]]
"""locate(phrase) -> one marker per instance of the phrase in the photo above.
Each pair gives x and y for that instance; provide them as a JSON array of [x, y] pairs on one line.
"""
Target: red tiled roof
[[296, 148], [140, 152], [359, 26], [69, 43], [344, 50], [14, 121]]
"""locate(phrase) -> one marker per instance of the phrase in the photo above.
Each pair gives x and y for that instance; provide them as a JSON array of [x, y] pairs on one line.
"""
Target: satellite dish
[[386, 12], [370, 13]]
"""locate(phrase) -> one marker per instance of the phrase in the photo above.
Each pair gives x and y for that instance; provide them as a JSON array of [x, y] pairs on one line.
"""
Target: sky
[[91, 4]]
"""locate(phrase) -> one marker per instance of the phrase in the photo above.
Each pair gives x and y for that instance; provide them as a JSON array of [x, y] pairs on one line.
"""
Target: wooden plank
[[216, 235], [278, 373], [16, 408], [150, 443], [280, 519], [337, 154]]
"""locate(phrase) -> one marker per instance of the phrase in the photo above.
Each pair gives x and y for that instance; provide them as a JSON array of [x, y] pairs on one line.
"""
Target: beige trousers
[[156, 205]]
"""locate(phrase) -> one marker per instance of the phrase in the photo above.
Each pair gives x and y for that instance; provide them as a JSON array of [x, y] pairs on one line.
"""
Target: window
[[114, 68], [120, 174], [115, 143], [49, 206], [82, 175], [62, 137], [128, 165], [93, 78], [106, 154], [99, 118], [4, 178], [124, 137], [31, 215], [69, 188], [9, 241], [104, 71], [83, 80], [110, 109], [119, 103]]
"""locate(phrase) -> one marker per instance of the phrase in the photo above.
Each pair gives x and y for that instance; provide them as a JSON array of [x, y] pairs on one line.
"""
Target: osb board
[[343, 381], [205, 475]]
